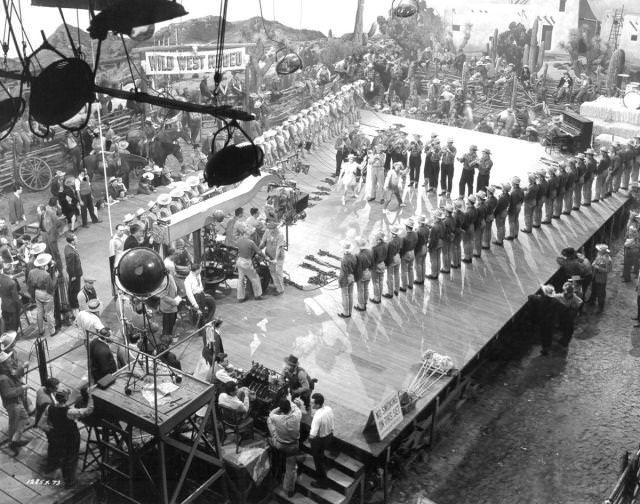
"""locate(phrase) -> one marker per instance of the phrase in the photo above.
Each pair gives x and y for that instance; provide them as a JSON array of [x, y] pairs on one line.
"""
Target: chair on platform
[[235, 421]]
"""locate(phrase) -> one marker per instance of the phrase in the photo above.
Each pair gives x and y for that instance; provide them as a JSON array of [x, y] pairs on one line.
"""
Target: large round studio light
[[142, 33], [125, 15], [60, 91], [404, 8], [141, 273], [288, 64], [233, 163]]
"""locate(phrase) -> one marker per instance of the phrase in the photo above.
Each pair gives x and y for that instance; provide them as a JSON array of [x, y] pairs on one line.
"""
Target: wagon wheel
[[34, 173]]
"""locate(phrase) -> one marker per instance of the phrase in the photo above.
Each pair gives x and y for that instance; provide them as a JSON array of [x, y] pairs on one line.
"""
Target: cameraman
[[42, 283]]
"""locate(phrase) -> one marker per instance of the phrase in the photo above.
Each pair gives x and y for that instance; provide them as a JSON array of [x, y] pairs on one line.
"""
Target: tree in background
[[586, 52], [414, 34]]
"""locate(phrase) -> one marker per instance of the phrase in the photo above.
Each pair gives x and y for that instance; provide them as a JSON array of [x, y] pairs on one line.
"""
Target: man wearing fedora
[[42, 283], [346, 279], [378, 268], [74, 270], [407, 255], [392, 262], [601, 266], [297, 379]]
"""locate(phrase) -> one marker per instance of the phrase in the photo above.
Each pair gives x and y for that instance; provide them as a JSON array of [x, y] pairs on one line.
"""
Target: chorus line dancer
[[635, 161], [589, 175], [601, 174]]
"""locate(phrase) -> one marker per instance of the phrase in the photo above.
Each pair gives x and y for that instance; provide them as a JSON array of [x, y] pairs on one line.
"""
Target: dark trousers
[[631, 263], [339, 159], [482, 182], [112, 269], [446, 177], [168, 323], [466, 179], [87, 207], [10, 319], [598, 292], [638, 302], [414, 171], [433, 170], [73, 290], [318, 446]]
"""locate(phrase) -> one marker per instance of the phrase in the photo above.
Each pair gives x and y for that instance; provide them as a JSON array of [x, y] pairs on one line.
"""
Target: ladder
[[616, 28]]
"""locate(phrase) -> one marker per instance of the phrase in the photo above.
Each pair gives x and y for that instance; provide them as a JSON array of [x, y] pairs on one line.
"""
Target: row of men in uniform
[[325, 118]]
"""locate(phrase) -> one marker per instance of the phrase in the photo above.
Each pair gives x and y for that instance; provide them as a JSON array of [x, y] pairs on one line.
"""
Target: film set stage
[[306, 253]]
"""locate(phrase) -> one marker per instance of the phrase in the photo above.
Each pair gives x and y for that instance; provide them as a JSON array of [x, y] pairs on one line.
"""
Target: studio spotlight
[[233, 163], [142, 33], [141, 273], [404, 8]]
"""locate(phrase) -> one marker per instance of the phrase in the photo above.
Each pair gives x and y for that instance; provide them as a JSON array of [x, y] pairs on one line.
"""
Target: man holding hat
[[516, 197], [42, 283], [590, 171], [273, 244], [378, 268], [434, 245], [570, 305], [601, 268], [469, 162], [346, 279], [392, 263], [407, 255], [364, 264]]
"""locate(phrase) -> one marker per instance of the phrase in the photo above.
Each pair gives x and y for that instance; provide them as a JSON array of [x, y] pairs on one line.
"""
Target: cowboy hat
[[140, 211], [176, 193], [42, 260], [164, 199], [409, 223], [128, 218], [38, 248], [292, 360], [7, 339], [94, 305], [395, 230], [123, 144], [439, 214], [602, 247], [515, 180]]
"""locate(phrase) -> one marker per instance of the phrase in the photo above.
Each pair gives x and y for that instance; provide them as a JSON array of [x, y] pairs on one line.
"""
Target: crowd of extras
[[391, 166]]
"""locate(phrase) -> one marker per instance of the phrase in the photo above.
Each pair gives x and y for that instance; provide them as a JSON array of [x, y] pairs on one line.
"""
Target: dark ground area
[[544, 429]]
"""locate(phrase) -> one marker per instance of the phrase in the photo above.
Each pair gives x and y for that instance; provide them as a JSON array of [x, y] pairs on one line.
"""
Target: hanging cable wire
[[7, 12], [222, 26], [126, 52], [66, 29], [25, 36]]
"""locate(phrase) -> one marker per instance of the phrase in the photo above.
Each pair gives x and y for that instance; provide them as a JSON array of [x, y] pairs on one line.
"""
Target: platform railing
[[627, 487]]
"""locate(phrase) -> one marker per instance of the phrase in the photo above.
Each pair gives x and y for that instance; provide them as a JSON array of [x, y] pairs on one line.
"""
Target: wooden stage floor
[[360, 360]]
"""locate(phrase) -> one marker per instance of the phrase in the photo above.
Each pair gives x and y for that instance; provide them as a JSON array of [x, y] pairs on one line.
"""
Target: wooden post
[[385, 475], [163, 473]]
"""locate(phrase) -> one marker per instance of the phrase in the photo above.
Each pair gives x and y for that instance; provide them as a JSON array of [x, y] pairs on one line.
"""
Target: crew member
[[273, 244], [246, 251], [601, 268], [298, 379], [321, 437], [284, 427], [87, 293], [42, 283]]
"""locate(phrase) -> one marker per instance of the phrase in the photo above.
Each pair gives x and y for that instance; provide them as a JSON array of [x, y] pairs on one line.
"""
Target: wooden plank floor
[[360, 360]]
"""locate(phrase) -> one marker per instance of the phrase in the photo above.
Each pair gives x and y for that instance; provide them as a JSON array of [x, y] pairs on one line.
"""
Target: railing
[[628, 485]]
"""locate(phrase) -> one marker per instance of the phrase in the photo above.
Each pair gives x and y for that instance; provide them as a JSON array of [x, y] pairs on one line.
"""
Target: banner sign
[[184, 62]]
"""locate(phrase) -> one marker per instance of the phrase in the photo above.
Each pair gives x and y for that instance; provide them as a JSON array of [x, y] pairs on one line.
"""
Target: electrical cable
[[25, 36], [7, 12], [66, 29]]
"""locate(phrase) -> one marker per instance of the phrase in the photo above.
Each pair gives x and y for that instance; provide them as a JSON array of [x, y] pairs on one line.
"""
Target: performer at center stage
[[469, 164], [516, 197]]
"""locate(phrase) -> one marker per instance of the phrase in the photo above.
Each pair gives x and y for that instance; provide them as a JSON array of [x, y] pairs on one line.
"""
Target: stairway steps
[[338, 480], [345, 463], [280, 497], [319, 495]]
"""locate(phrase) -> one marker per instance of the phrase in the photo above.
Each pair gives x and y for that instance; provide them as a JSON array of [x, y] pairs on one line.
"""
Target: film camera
[[287, 202]]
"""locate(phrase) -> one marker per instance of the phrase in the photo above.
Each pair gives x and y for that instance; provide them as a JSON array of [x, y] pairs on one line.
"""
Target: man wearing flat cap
[[347, 278], [434, 245], [392, 263], [407, 255], [516, 198]]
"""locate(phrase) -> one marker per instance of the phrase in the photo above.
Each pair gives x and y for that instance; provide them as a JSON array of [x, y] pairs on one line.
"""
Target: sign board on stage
[[386, 416], [188, 62]]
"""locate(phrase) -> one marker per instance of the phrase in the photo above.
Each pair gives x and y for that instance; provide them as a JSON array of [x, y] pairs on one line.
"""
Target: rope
[[25, 36], [126, 52]]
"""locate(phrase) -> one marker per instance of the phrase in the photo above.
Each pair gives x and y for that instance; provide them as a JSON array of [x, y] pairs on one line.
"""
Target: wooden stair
[[346, 479]]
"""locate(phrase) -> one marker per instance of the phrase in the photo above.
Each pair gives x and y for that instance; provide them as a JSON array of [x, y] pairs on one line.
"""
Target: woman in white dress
[[347, 177]]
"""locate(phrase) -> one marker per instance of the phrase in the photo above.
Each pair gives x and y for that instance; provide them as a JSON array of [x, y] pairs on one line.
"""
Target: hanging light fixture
[[289, 63], [141, 273], [232, 163], [142, 33], [404, 8], [125, 15]]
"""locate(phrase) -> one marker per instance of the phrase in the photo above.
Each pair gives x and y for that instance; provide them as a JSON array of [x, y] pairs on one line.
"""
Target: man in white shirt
[[116, 249], [88, 320], [321, 437], [221, 368], [235, 399], [284, 427], [193, 286]]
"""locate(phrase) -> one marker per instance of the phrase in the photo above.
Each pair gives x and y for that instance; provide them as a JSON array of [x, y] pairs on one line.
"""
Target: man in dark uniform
[[421, 249], [343, 149], [543, 194], [364, 265], [500, 212], [490, 207], [544, 308], [100, 356], [552, 194], [407, 256], [590, 171], [446, 168], [434, 245], [516, 197], [456, 246], [432, 166], [617, 166], [530, 203], [415, 161], [469, 164], [601, 174], [569, 187], [480, 223], [580, 169], [74, 270], [561, 176], [392, 262], [449, 225], [627, 163], [346, 279], [484, 170], [468, 229], [378, 268]]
